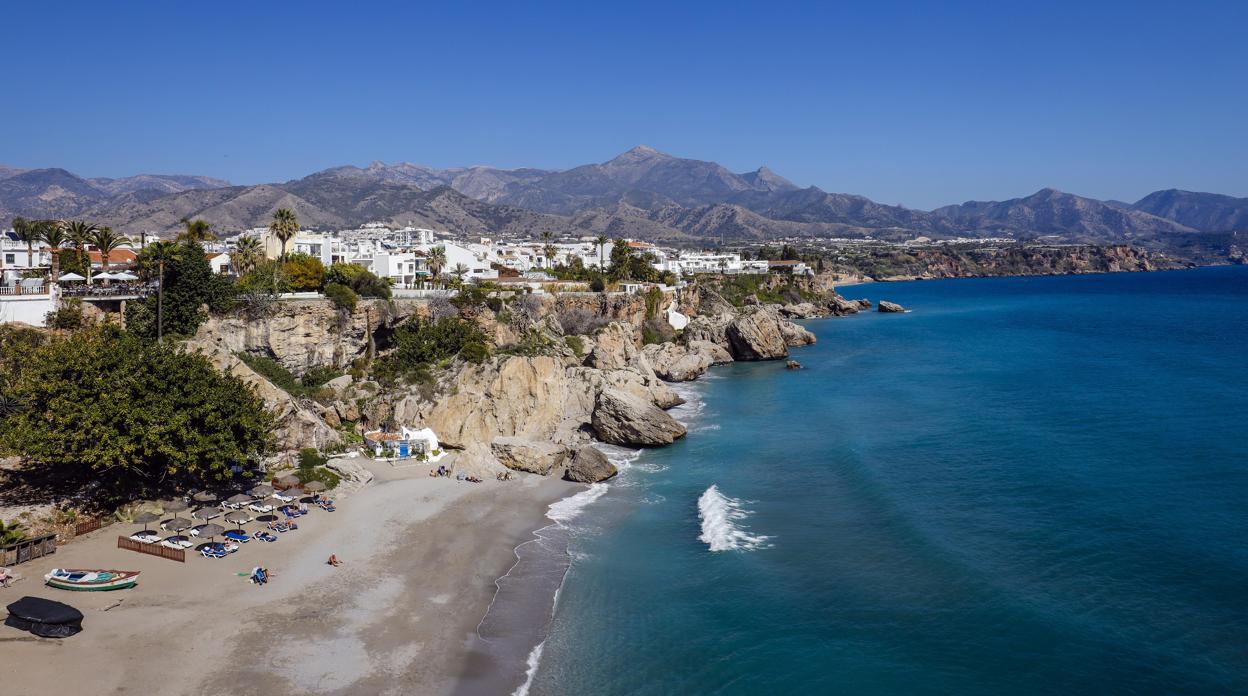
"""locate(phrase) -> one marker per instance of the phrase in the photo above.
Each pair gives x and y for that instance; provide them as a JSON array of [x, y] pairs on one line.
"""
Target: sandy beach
[[420, 560]]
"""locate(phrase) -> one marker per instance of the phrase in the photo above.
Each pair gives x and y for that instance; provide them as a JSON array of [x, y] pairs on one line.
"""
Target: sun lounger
[[174, 542], [284, 498], [209, 552], [236, 535], [149, 538], [264, 536], [263, 509]]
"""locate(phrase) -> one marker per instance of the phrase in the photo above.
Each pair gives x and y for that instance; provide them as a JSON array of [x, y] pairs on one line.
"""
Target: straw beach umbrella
[[145, 518], [288, 480], [314, 486], [178, 525], [175, 505], [261, 491], [212, 531], [238, 499], [205, 497], [206, 513], [239, 518]]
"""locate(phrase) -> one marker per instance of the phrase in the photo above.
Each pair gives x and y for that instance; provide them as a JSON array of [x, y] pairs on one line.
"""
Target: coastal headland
[[421, 554]]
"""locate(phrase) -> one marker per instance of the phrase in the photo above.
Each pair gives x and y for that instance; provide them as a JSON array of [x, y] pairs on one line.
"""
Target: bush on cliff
[[359, 279], [343, 297], [135, 417], [420, 343]]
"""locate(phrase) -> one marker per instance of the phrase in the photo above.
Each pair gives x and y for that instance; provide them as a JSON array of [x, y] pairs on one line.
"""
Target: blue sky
[[920, 104]]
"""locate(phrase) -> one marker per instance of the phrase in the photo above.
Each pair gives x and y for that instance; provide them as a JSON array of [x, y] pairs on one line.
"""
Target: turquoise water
[[1022, 486]]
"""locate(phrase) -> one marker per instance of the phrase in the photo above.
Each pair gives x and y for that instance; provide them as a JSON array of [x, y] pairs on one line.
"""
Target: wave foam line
[[534, 659], [720, 516]]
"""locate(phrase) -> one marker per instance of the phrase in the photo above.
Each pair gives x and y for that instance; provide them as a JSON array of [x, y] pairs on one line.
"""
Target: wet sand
[[421, 557]]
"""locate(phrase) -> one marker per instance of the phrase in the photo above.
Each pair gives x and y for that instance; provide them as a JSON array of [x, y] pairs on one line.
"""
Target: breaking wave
[[720, 517]]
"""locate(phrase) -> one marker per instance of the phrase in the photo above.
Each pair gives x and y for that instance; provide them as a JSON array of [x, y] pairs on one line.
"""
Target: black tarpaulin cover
[[43, 617]]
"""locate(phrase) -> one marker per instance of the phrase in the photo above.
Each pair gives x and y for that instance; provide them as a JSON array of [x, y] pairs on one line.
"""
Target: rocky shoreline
[[585, 374]]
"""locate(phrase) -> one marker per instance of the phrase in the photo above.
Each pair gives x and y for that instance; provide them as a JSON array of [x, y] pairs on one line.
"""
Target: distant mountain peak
[[765, 179], [641, 153]]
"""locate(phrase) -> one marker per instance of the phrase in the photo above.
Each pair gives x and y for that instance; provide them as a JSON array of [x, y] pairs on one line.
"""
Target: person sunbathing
[[333, 560]]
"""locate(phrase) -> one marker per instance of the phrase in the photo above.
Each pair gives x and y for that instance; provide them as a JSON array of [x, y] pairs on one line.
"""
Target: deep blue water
[[1022, 486]]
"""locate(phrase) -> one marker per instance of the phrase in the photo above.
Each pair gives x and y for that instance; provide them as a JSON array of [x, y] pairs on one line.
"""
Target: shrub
[[343, 297], [576, 343], [359, 279], [656, 331], [309, 458], [68, 316], [596, 284], [578, 320], [419, 343], [304, 273]]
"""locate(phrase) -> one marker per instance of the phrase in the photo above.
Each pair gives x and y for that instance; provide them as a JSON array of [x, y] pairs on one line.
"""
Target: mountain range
[[641, 193]]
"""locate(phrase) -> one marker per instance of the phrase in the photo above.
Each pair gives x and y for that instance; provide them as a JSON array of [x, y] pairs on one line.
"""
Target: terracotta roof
[[115, 256]]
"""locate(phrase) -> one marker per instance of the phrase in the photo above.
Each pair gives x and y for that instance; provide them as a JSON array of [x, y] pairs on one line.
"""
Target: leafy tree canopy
[[190, 285], [138, 417]]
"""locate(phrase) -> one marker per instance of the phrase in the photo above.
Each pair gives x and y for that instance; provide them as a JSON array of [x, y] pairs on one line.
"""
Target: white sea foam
[[720, 517], [568, 508], [535, 659]]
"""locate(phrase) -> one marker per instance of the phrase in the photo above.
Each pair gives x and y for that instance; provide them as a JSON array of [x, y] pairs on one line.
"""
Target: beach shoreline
[[420, 556]]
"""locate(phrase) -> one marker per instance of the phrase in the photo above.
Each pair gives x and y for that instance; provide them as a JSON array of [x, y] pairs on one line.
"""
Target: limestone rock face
[[862, 303], [350, 470], [795, 335], [623, 418], [839, 306], [615, 346], [886, 306], [533, 456], [756, 336], [717, 353], [675, 363], [475, 460], [712, 329], [298, 425], [589, 465], [524, 397], [803, 310], [303, 334]]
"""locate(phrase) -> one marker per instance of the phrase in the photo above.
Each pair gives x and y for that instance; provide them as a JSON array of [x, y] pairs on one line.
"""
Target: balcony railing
[[19, 290]]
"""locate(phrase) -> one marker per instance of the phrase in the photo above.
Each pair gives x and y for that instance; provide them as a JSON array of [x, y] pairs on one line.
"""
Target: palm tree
[[160, 251], [27, 231], [52, 232], [284, 226], [602, 243], [196, 231], [437, 261], [79, 234], [548, 248], [247, 251], [460, 271], [106, 241]]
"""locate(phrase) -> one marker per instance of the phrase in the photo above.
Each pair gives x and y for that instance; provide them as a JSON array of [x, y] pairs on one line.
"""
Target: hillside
[[640, 193]]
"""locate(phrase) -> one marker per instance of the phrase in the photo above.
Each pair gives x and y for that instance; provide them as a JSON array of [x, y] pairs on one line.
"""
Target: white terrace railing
[[10, 291]]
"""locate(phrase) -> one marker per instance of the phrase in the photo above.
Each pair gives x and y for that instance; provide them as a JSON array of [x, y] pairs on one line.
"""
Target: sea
[[1021, 486]]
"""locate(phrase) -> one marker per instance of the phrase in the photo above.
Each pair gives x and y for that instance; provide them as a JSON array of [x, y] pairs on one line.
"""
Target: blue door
[[402, 450]]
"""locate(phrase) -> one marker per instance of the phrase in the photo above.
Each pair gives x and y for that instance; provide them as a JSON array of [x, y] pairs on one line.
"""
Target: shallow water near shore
[[1026, 485]]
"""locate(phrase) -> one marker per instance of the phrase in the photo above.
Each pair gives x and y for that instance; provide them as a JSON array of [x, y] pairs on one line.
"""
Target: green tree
[[106, 241], [52, 233], [602, 243], [303, 272], [138, 418], [246, 254], [363, 281], [196, 231], [436, 260], [420, 343], [189, 284], [284, 226], [29, 232]]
